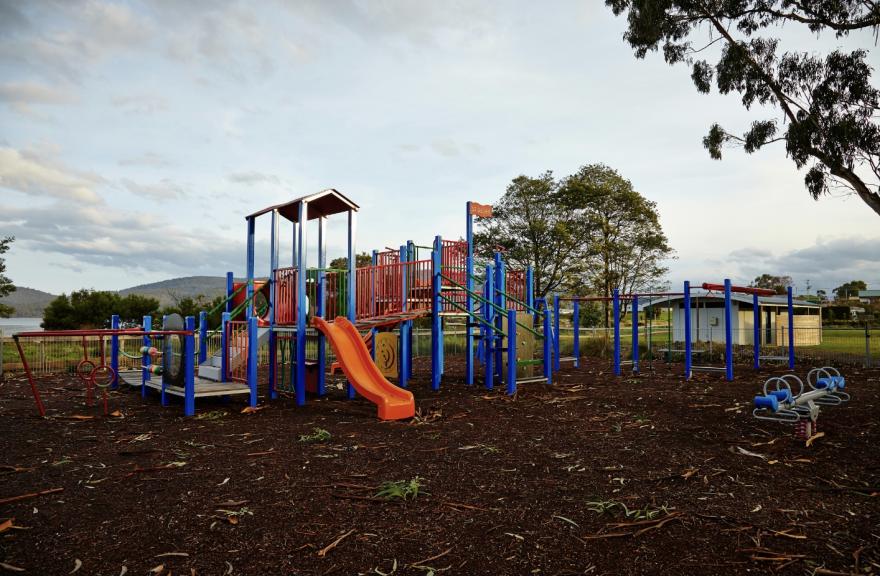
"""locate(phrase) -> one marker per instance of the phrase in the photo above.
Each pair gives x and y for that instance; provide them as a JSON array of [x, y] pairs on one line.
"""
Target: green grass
[[400, 489], [317, 435]]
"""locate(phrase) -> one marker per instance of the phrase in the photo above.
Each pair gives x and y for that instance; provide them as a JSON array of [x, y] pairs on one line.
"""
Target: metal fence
[[828, 345]]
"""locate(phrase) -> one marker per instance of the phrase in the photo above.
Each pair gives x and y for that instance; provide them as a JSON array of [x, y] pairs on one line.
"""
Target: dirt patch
[[593, 475]]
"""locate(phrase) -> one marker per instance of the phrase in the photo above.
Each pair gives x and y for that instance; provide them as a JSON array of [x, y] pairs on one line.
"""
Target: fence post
[[867, 346], [114, 352], [1, 354], [556, 350]]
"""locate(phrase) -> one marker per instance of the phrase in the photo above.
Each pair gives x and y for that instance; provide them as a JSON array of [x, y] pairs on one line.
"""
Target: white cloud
[[253, 178], [22, 95], [31, 176], [165, 189]]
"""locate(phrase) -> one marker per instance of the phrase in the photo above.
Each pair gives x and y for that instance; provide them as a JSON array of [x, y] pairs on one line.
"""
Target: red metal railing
[[285, 295], [381, 290], [237, 350], [387, 257], [516, 287]]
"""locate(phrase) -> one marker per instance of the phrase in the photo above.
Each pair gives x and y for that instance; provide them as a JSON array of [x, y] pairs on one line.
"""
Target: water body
[[10, 326]]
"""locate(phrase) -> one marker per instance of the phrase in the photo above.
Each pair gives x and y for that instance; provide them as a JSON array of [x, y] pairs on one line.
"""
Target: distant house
[[869, 296], [707, 318]]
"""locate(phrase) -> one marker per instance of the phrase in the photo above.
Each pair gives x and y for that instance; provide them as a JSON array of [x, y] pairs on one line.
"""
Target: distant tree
[[827, 106], [627, 247], [133, 308], [848, 289], [778, 284], [59, 315], [187, 305], [6, 285], [823, 295], [83, 309], [533, 228], [361, 260]]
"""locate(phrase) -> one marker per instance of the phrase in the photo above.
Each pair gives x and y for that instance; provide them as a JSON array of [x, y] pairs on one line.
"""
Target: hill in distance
[[30, 303]]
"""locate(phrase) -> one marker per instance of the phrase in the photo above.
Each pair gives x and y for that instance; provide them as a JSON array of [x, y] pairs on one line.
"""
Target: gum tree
[[826, 109], [6, 285]]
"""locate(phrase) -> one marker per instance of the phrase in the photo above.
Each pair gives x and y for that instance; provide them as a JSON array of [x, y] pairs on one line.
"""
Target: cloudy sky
[[136, 135]]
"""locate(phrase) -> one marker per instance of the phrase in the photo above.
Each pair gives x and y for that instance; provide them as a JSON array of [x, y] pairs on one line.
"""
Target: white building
[[707, 318]]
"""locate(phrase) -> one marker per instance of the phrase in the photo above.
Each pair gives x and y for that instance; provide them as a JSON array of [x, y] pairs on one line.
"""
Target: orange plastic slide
[[394, 403]]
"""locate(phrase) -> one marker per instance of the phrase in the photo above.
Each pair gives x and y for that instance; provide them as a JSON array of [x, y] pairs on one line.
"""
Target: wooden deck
[[203, 387]]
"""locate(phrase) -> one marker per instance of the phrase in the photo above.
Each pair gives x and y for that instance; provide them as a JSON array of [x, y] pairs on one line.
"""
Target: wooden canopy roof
[[324, 203]]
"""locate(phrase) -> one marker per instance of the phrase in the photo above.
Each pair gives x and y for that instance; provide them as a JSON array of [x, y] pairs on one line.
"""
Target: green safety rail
[[480, 298]]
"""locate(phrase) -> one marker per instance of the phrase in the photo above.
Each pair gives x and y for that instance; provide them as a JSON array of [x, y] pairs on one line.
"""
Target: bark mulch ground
[[641, 474]]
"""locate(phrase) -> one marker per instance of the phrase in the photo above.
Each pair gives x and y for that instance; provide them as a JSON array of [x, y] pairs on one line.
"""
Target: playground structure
[[286, 326], [824, 388], [296, 315]]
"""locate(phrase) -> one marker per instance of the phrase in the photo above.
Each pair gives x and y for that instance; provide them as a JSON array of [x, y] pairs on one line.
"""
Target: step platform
[[203, 386]]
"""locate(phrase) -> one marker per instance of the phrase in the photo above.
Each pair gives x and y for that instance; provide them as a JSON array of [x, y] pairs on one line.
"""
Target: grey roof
[[324, 203], [869, 293], [699, 294]]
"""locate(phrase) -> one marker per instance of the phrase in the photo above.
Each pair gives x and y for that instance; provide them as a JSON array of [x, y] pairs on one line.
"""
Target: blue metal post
[[548, 357], [530, 290], [635, 334], [301, 305], [412, 252], [556, 351], [146, 360], [114, 352], [576, 345], [501, 302], [403, 348], [615, 310], [687, 329], [728, 332], [251, 228], [511, 352], [230, 288], [441, 337], [469, 300], [203, 337], [436, 367], [224, 347], [322, 303], [790, 329], [253, 358], [489, 341], [352, 281], [189, 381], [756, 331], [273, 336]]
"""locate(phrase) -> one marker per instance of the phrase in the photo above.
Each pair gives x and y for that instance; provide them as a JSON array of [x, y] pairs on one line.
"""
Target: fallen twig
[[323, 551], [426, 560], [466, 506], [30, 495]]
